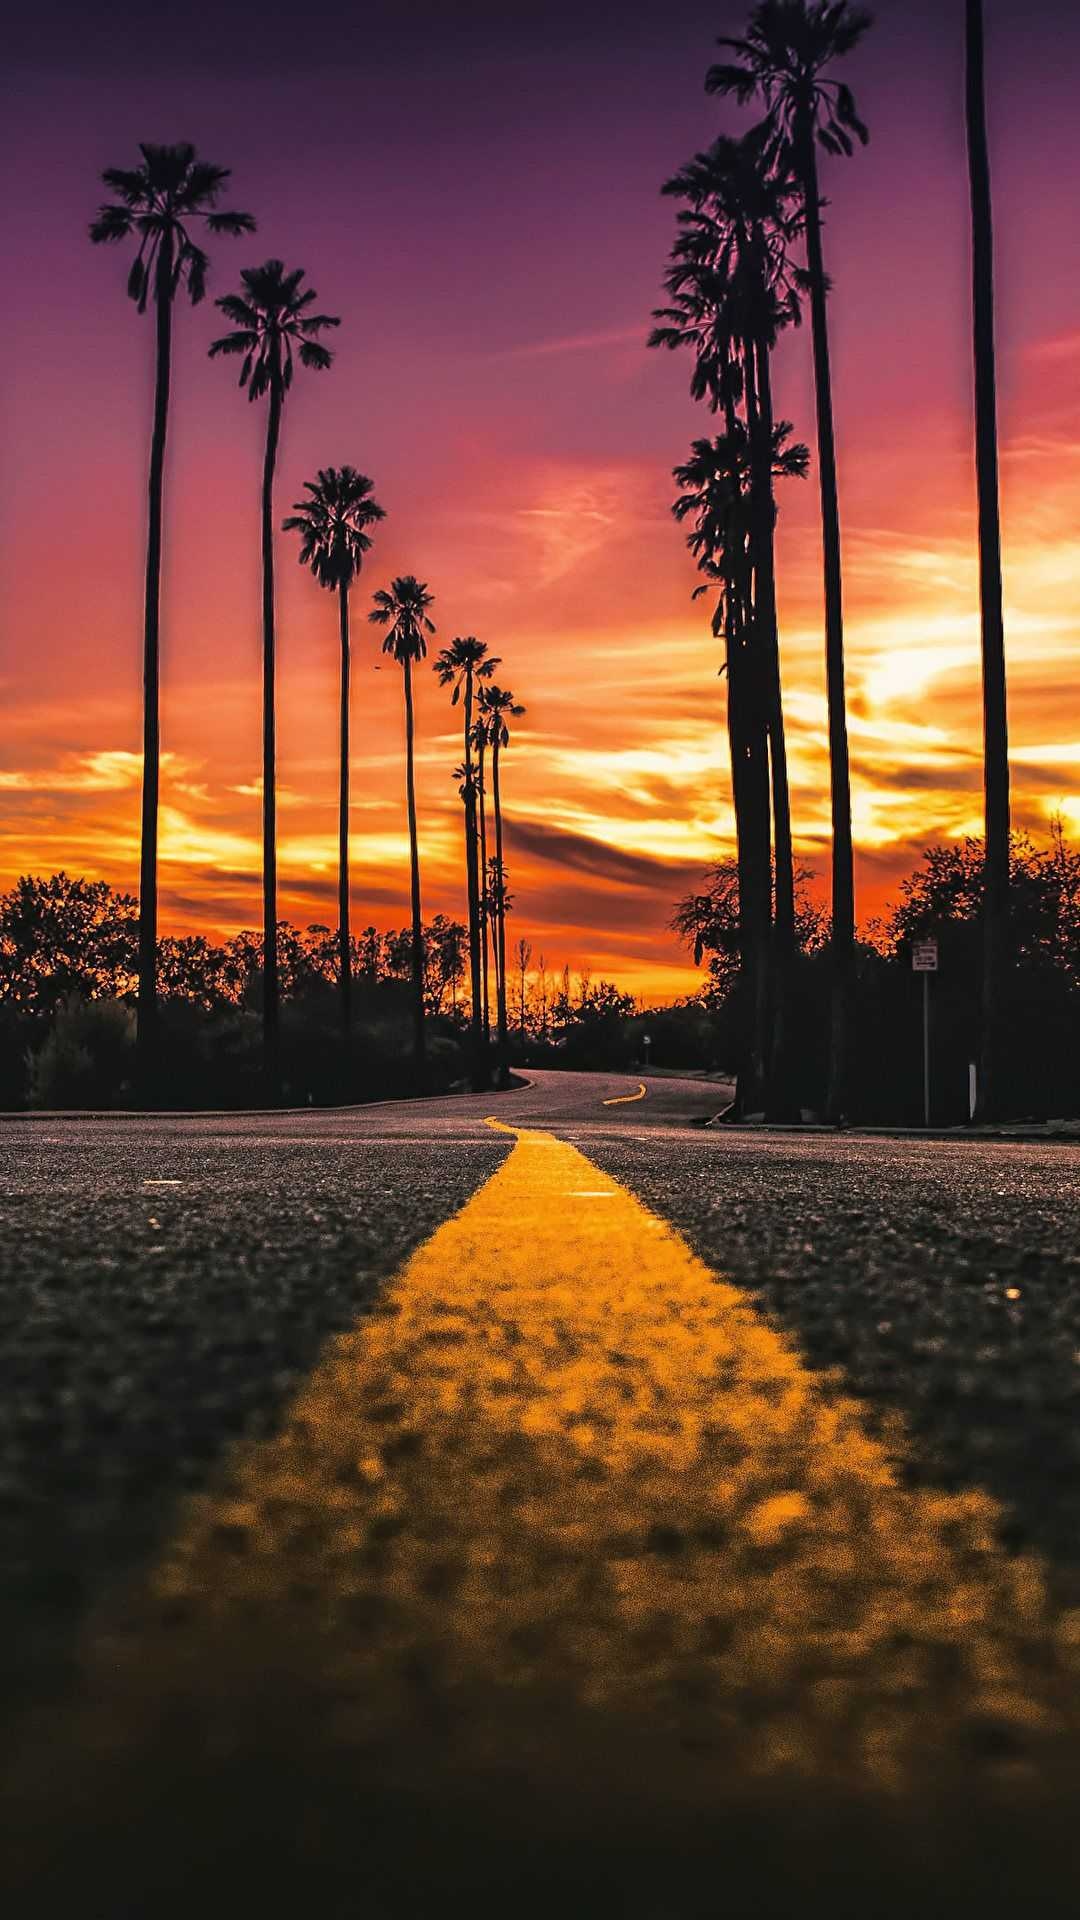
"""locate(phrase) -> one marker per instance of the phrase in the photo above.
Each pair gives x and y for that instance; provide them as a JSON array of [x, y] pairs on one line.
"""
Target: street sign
[[924, 957]]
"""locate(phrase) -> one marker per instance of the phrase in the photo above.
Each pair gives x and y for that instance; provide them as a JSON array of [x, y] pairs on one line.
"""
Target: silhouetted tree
[[498, 708], [460, 665], [404, 611], [480, 743], [524, 958], [996, 935], [333, 527], [717, 497], [734, 286], [159, 203], [783, 58], [271, 318]]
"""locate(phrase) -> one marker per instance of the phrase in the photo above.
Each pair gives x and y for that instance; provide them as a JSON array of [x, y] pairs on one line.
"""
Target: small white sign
[[924, 956]]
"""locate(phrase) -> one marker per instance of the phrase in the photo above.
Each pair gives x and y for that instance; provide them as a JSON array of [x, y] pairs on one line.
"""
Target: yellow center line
[[626, 1099], [564, 1484]]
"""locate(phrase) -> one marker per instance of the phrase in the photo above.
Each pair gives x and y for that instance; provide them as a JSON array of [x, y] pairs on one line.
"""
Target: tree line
[[748, 257], [69, 981], [162, 205]]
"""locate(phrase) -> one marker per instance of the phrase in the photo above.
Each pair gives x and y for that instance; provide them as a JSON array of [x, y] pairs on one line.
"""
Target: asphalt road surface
[[537, 1503]]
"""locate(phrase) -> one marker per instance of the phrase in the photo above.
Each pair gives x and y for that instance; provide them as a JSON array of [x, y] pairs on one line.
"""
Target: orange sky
[[492, 378]]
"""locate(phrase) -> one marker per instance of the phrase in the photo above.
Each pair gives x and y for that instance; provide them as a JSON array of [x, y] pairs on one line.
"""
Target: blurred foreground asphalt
[[576, 1575]]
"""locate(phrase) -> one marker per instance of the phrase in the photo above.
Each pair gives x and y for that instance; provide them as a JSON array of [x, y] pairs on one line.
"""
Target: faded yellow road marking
[[565, 1493], [626, 1099]]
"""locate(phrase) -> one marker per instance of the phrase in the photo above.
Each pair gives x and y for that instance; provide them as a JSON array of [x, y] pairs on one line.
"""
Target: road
[[537, 1500]]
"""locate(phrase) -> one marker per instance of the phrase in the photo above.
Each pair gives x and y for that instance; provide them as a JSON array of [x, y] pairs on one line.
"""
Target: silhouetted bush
[[87, 1056]]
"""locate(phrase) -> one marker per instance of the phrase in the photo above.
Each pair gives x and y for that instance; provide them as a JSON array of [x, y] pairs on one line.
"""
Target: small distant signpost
[[646, 1043], [924, 960]]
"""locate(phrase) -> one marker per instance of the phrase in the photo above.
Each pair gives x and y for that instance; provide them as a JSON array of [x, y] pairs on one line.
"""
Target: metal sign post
[[924, 960], [646, 1043]]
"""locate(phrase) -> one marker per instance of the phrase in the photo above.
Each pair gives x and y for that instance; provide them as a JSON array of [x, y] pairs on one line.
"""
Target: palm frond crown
[[497, 708], [272, 321], [403, 610], [782, 59], [159, 203], [464, 657], [333, 524]]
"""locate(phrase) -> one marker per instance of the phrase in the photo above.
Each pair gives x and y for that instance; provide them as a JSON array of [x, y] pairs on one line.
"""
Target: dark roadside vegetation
[[69, 973]]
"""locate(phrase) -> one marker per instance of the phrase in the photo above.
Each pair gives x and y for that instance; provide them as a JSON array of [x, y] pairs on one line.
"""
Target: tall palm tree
[[271, 318], [159, 203], [460, 665], [404, 611], [497, 709], [480, 743], [333, 526], [717, 498], [734, 287], [783, 58], [995, 713]]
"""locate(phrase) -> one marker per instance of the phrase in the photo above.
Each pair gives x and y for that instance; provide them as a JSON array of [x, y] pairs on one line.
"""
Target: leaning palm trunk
[[414, 858], [781, 1100], [843, 872], [500, 917], [344, 940], [485, 904], [146, 1028], [270, 952], [995, 717], [478, 1056]]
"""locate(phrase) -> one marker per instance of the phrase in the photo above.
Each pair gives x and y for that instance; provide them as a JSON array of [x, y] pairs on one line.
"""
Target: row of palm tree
[[735, 284], [273, 328], [467, 668]]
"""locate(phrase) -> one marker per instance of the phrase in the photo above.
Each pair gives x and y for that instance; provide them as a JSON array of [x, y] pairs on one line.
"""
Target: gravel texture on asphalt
[[170, 1284], [166, 1286], [941, 1277]]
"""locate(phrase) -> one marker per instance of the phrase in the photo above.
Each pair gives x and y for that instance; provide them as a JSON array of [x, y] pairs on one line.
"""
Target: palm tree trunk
[[995, 913], [841, 1038], [485, 915], [478, 1074], [270, 944], [146, 1015], [500, 917], [414, 859], [781, 1103], [344, 942], [752, 853]]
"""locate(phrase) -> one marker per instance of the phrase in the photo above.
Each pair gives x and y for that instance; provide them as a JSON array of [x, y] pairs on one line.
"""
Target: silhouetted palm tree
[[333, 527], [995, 712], [158, 203], [717, 484], [480, 743], [734, 287], [497, 709], [783, 58], [404, 610], [461, 665], [271, 318]]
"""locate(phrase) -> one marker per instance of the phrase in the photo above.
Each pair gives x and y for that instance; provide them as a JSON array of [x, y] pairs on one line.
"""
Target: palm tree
[[783, 58], [460, 665], [333, 527], [498, 708], [270, 319], [404, 610], [717, 496], [734, 287], [480, 742], [159, 202], [995, 713]]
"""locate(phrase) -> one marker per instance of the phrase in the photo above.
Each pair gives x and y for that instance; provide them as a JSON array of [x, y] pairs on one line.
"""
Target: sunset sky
[[474, 188]]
